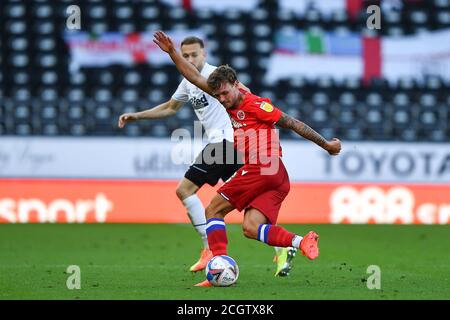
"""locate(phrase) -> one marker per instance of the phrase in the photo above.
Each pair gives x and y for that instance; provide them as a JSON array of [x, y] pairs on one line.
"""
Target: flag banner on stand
[[315, 53], [88, 50]]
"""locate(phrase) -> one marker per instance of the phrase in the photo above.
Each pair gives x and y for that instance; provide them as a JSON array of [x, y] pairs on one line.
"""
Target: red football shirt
[[254, 129]]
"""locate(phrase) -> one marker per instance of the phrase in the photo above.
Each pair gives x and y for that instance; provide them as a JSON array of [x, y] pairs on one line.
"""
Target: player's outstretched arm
[[191, 73], [163, 110], [333, 147]]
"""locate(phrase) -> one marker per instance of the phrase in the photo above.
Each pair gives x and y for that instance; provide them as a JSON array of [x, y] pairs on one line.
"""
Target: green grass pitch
[[151, 261]]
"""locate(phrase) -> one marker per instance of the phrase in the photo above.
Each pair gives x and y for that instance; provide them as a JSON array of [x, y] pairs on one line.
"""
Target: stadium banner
[[418, 56], [316, 53], [133, 201], [325, 7], [99, 50], [169, 158], [217, 6], [328, 8]]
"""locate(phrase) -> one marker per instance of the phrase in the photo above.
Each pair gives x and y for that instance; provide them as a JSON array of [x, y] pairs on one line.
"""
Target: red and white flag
[[87, 50], [216, 5], [315, 54]]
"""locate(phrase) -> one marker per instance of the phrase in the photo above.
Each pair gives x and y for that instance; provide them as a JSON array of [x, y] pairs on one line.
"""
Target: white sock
[[296, 241], [196, 213]]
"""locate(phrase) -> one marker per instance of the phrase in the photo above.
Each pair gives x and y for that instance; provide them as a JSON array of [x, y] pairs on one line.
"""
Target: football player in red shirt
[[260, 186]]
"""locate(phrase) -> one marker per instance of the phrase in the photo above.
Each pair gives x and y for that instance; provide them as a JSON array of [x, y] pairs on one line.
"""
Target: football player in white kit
[[219, 131]]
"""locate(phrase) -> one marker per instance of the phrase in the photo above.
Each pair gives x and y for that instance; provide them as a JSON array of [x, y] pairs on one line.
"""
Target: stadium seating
[[39, 96]]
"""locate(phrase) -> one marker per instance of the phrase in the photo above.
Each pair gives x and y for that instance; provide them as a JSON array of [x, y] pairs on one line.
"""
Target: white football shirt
[[208, 109]]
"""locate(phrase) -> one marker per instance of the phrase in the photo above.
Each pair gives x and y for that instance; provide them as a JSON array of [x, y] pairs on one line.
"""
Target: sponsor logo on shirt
[[199, 103]]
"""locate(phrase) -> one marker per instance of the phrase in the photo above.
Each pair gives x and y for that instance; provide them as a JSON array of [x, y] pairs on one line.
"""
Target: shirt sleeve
[[266, 112], [181, 94]]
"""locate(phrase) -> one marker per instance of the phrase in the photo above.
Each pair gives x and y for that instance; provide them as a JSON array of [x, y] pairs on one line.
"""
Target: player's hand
[[333, 147], [125, 118], [163, 41]]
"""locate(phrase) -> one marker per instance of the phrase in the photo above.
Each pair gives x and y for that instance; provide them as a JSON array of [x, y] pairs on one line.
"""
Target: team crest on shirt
[[240, 115], [267, 107]]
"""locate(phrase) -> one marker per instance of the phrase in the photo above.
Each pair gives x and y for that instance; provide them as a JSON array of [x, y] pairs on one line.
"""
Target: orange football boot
[[309, 245], [204, 283], [205, 256]]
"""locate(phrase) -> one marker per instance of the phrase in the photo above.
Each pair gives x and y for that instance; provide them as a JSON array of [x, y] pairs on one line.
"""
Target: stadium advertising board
[[134, 180], [151, 158], [152, 201]]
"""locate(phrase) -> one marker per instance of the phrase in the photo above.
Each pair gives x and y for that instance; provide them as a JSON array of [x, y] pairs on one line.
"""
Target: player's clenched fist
[[126, 117], [333, 147]]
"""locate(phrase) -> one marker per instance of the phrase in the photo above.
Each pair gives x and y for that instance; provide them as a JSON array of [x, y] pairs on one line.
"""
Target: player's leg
[[203, 170], [268, 203], [253, 219], [186, 192], [259, 227], [215, 228], [215, 225], [228, 164]]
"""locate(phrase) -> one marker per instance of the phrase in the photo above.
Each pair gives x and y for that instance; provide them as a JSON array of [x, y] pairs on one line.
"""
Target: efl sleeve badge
[[266, 107]]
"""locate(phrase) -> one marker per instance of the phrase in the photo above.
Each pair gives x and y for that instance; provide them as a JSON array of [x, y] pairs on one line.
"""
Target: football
[[222, 271]]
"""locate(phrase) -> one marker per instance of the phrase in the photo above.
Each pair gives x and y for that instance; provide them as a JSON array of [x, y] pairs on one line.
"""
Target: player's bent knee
[[218, 208], [183, 193], [180, 193], [209, 212], [213, 211]]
